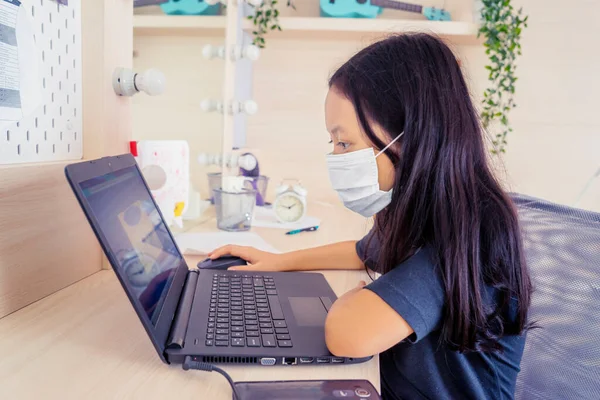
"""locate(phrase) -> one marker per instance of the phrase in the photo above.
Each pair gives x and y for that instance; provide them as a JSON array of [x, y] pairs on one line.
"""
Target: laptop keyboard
[[245, 312]]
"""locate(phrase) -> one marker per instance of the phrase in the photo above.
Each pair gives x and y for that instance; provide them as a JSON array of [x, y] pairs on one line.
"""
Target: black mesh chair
[[562, 357]]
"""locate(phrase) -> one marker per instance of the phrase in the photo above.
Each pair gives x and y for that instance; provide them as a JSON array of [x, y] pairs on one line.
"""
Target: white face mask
[[355, 178]]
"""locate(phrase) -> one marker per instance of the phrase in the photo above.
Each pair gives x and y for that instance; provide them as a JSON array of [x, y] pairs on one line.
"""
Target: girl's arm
[[340, 256]]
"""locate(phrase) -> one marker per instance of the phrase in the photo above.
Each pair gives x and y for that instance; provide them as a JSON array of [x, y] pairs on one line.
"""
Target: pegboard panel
[[43, 121]]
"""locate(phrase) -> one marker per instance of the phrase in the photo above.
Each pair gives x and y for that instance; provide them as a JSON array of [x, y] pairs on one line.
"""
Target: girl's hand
[[257, 260]]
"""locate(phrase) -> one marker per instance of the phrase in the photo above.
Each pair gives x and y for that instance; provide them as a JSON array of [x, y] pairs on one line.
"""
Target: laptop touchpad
[[308, 311]]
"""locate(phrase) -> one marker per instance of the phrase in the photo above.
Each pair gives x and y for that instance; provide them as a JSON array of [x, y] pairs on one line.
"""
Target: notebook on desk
[[212, 315]]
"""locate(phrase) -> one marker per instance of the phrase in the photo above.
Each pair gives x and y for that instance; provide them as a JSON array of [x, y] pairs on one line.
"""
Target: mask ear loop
[[389, 144]]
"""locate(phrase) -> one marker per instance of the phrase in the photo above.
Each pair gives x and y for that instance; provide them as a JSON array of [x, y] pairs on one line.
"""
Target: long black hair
[[445, 195]]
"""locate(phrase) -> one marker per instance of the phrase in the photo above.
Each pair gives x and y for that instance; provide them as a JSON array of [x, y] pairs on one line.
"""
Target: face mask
[[354, 176]]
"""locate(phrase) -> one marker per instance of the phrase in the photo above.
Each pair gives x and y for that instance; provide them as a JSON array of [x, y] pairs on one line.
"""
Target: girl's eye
[[343, 145]]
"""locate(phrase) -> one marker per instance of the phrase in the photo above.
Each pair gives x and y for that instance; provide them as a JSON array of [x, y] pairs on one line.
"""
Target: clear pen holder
[[234, 209], [258, 183], [214, 182]]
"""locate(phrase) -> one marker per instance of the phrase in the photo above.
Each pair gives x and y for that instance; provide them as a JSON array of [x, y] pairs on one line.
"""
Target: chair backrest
[[562, 357]]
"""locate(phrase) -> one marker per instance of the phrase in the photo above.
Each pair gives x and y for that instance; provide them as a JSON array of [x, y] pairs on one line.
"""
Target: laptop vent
[[230, 360]]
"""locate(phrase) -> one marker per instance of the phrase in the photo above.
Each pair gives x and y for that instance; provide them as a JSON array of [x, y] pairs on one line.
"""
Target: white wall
[[555, 146], [190, 79]]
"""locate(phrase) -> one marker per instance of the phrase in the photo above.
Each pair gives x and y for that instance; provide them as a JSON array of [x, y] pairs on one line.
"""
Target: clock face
[[289, 208]]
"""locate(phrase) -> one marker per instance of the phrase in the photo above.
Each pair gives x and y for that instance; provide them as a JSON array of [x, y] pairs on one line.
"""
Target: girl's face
[[347, 134]]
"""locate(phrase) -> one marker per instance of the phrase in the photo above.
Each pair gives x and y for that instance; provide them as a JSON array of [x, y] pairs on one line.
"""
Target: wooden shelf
[[308, 27], [176, 24], [352, 28], [377, 25]]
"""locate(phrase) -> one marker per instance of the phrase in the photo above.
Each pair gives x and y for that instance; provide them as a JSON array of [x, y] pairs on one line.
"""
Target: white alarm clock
[[290, 203]]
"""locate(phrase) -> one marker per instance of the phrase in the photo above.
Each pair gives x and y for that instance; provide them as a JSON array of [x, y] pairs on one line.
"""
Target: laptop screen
[[146, 255]]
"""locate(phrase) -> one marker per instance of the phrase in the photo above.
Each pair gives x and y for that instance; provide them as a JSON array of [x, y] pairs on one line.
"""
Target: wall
[[46, 243], [176, 114], [555, 146]]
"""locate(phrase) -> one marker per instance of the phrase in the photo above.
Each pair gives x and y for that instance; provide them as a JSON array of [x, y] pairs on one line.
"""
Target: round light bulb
[[251, 52], [203, 159], [247, 162], [250, 107], [208, 105], [209, 51], [254, 3], [151, 82]]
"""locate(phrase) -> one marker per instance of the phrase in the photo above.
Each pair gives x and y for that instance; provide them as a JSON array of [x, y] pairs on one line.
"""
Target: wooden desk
[[86, 342]]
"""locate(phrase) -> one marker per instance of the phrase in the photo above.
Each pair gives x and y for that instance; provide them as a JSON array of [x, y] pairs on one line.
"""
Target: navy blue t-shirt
[[421, 366]]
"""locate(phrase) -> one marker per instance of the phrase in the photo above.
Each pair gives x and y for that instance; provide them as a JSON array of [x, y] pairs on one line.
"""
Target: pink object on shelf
[[165, 165]]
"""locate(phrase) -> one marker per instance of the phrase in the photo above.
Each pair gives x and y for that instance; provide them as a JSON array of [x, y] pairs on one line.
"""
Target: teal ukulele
[[181, 7], [372, 8]]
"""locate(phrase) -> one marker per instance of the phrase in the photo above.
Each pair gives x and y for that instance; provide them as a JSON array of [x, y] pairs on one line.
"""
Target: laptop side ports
[[267, 361]]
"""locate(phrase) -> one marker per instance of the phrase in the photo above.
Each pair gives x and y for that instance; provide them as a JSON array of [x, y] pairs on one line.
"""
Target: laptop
[[214, 316]]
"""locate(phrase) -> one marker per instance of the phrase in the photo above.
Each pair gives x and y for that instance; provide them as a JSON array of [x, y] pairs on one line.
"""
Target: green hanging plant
[[501, 25], [266, 18]]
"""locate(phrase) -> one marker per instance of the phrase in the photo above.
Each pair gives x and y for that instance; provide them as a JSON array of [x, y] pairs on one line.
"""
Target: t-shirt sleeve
[[368, 250], [414, 289]]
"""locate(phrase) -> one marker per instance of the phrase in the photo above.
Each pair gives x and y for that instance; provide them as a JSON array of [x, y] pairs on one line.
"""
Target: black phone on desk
[[355, 389]]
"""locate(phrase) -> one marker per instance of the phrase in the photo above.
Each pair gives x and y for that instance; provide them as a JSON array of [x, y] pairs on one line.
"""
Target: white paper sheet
[[10, 96], [204, 243], [265, 217], [20, 82]]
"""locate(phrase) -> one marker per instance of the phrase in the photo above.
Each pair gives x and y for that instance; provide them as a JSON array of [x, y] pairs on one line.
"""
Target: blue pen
[[311, 229]]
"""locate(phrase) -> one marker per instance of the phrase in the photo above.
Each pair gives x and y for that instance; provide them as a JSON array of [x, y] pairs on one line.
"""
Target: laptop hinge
[[184, 309]]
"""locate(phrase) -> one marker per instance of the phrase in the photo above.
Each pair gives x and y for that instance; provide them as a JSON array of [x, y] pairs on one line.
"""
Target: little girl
[[448, 316]]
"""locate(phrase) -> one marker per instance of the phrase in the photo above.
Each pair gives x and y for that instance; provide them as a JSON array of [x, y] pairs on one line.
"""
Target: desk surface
[[85, 341]]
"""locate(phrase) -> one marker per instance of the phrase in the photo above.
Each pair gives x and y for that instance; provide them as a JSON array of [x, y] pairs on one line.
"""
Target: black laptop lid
[[135, 239]]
